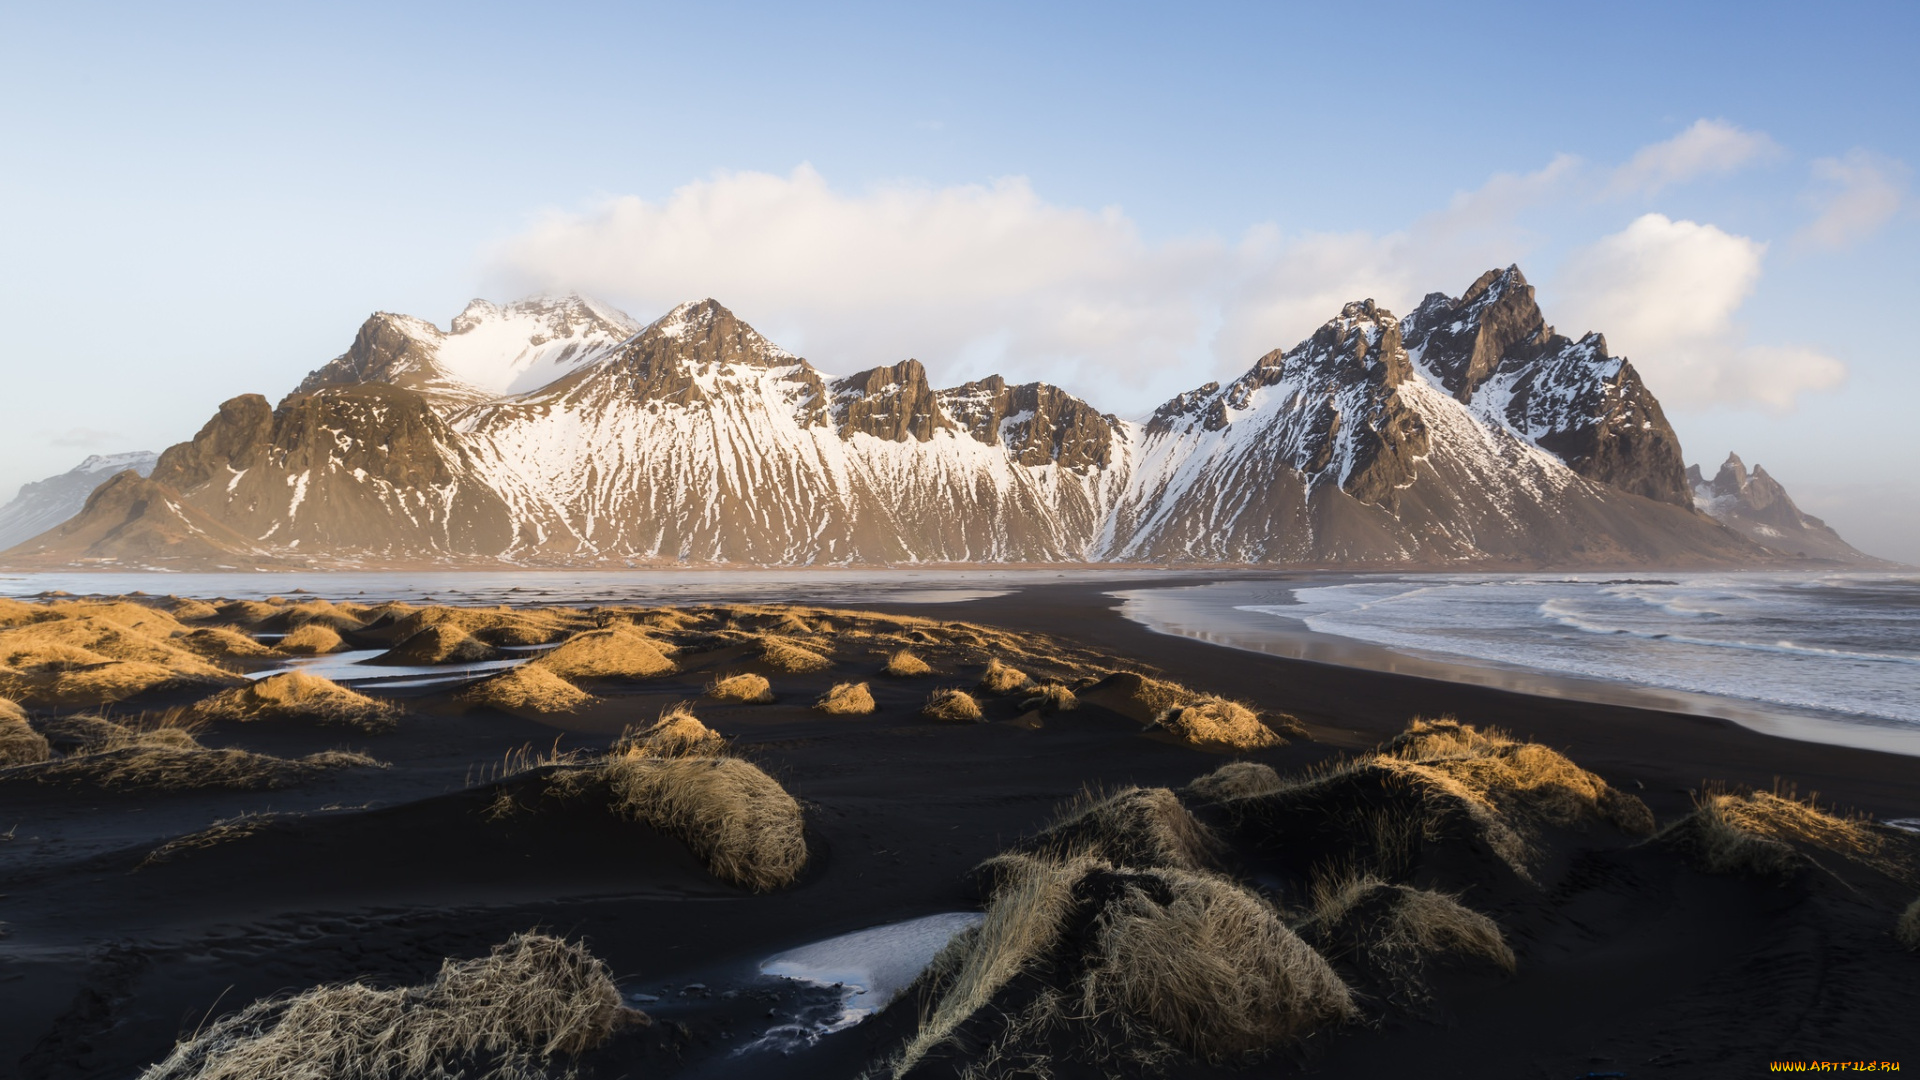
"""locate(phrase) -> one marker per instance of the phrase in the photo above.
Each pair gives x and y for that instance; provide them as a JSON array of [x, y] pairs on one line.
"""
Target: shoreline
[[1354, 708], [1147, 596], [1223, 623]]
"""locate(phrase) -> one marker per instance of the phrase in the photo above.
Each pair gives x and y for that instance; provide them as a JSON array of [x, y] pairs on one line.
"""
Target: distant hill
[[45, 503], [1755, 505]]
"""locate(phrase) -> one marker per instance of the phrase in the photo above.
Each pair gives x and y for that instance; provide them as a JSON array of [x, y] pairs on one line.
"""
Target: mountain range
[[559, 431]]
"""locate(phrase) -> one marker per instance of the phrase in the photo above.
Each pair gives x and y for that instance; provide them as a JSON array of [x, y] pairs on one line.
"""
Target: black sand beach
[[1630, 962]]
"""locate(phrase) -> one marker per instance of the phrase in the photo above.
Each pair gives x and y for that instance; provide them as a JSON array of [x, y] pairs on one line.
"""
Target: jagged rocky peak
[[1330, 406], [1181, 408], [1756, 490], [686, 355], [1758, 506], [705, 332], [893, 403], [1464, 340], [1039, 424], [1493, 351]]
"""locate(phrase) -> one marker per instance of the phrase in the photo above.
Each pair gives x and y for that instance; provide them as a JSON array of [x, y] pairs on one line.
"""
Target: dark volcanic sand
[[1628, 963]]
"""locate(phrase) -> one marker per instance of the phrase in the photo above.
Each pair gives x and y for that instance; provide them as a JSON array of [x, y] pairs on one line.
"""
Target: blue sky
[[1129, 200]]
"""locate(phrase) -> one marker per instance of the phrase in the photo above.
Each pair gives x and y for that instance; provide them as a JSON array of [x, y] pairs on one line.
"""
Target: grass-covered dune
[[553, 841]]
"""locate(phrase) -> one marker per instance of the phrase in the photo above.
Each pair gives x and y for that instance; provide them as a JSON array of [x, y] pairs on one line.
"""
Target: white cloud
[[965, 278], [1666, 294], [1288, 286], [1707, 148], [989, 278], [1857, 194]]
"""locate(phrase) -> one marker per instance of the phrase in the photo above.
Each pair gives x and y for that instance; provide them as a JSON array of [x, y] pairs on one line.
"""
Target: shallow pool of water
[[868, 968]]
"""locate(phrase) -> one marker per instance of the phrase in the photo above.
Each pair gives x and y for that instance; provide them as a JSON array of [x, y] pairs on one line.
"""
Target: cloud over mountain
[[1668, 293], [973, 278]]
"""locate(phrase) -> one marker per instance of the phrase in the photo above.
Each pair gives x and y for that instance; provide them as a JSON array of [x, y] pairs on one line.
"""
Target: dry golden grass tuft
[[794, 659], [1001, 679], [1024, 919], [18, 612], [1207, 720], [732, 816], [1907, 930], [1137, 696], [79, 654], [1209, 966], [19, 743], [951, 704], [320, 613], [1762, 834], [1235, 779], [161, 753], [250, 612], [501, 1017], [499, 626], [617, 652], [846, 699], [904, 665], [1401, 928], [439, 643], [1166, 956], [391, 611], [526, 689], [220, 832], [224, 643], [138, 618], [1050, 697], [1135, 827], [670, 619], [790, 623], [312, 639], [746, 688], [296, 695], [1441, 775], [189, 610], [1516, 777], [678, 733]]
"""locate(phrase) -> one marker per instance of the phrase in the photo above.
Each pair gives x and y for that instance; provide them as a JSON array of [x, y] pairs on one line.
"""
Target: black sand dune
[[1629, 960]]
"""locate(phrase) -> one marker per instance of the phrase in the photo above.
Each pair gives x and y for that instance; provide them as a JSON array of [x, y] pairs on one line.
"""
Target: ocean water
[[825, 586], [1769, 649]]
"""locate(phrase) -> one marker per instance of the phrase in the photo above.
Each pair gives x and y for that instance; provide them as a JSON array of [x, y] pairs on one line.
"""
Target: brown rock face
[[351, 467], [129, 519], [235, 434], [892, 403], [1037, 423], [1466, 339], [1494, 352], [382, 352]]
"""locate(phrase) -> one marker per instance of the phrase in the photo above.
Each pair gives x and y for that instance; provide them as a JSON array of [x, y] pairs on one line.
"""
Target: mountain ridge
[[1467, 433]]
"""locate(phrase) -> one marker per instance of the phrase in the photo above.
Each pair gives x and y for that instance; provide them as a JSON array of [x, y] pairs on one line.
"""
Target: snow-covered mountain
[[1755, 505], [488, 352], [42, 504], [561, 432]]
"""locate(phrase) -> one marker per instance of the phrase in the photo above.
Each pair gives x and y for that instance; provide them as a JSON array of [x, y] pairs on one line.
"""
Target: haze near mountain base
[[561, 432]]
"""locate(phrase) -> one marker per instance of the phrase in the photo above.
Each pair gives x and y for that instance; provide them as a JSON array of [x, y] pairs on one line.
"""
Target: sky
[[1128, 200]]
